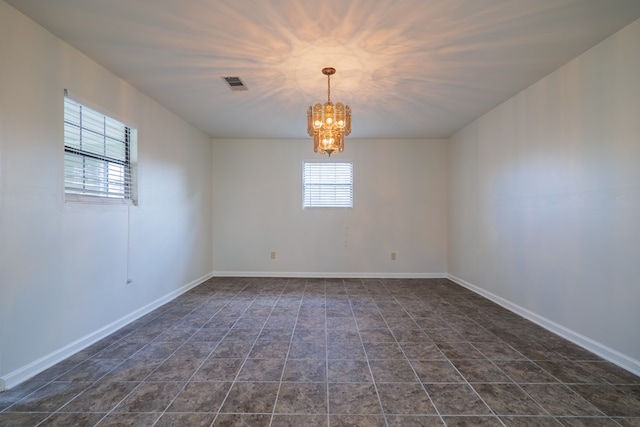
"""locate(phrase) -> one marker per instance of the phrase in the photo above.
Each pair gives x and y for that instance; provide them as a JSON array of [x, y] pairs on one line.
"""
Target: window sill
[[97, 200]]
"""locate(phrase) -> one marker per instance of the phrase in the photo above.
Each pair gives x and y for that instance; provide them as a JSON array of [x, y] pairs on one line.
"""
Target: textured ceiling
[[407, 68]]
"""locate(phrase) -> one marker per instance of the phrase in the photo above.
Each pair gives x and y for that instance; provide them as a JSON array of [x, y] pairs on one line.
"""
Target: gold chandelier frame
[[328, 124]]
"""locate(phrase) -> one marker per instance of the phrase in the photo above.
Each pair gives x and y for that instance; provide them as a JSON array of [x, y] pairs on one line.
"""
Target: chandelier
[[328, 124]]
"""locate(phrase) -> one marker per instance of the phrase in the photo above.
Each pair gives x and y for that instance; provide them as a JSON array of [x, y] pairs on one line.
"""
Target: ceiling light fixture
[[328, 124]]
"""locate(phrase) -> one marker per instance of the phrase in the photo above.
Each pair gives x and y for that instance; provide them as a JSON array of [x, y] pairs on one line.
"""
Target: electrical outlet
[[393, 256], [273, 255]]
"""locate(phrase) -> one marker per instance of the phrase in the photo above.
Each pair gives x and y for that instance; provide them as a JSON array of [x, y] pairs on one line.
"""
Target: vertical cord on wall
[[129, 280]]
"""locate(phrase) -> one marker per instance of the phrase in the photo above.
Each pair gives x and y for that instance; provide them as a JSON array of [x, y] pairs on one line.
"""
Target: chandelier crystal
[[328, 124]]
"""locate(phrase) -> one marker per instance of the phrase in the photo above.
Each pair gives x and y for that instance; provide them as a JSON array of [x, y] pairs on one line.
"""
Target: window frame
[[317, 204], [125, 163]]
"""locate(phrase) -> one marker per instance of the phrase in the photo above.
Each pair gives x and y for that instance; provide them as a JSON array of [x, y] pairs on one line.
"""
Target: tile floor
[[328, 352]]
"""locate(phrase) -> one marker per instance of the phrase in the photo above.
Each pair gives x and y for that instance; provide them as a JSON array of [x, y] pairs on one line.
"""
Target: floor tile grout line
[[151, 373], [519, 384], [77, 365], [233, 382], [286, 358], [210, 353], [115, 367], [448, 360], [373, 380], [326, 356], [492, 362], [411, 366], [402, 296]]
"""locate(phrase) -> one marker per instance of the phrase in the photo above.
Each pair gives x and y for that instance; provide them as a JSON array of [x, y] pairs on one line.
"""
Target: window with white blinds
[[97, 153], [327, 185]]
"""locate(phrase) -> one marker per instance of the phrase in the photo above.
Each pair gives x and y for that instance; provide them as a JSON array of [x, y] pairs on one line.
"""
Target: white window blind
[[327, 185], [97, 153]]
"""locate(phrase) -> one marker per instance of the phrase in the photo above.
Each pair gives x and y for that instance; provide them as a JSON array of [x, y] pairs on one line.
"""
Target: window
[[97, 153], [327, 185]]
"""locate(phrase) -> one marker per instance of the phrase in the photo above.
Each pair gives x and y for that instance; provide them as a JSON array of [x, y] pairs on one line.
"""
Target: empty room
[[320, 213]]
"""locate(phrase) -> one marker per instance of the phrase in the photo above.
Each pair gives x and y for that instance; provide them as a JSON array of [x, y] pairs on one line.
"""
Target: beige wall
[[400, 205], [63, 266], [545, 201]]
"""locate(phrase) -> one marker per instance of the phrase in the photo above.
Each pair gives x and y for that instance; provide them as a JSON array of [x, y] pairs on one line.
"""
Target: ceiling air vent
[[235, 83]]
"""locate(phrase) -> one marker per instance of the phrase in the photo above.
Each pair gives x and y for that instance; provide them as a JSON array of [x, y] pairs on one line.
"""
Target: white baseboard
[[607, 353], [32, 369], [338, 275], [28, 371]]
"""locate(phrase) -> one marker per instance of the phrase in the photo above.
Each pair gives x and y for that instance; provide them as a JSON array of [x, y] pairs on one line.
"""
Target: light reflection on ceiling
[[407, 68]]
